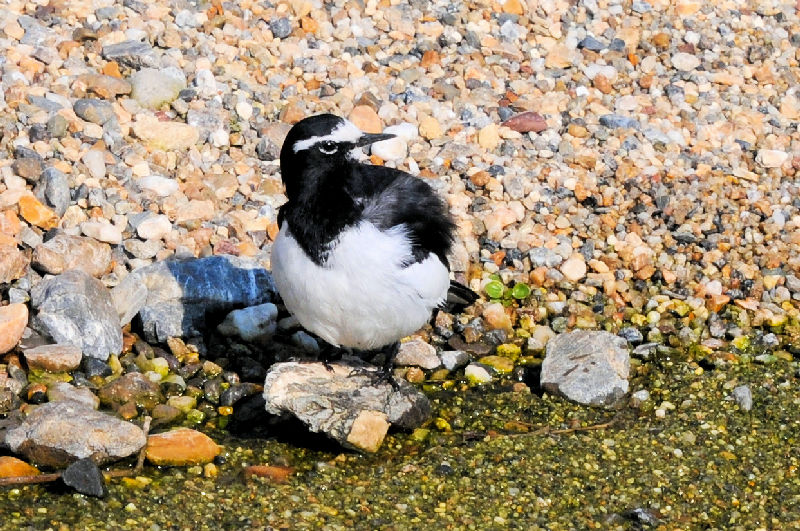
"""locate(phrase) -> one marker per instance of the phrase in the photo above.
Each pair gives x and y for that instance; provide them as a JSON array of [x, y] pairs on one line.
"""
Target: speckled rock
[[56, 434], [587, 367], [347, 406]]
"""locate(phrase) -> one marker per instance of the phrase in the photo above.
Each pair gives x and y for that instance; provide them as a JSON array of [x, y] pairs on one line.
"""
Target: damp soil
[[491, 458]]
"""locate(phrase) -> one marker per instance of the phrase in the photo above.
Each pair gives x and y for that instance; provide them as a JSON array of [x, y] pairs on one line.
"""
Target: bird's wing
[[392, 197]]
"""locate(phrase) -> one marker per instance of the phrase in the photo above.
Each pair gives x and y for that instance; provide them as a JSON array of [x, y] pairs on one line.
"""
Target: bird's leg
[[386, 373], [329, 353]]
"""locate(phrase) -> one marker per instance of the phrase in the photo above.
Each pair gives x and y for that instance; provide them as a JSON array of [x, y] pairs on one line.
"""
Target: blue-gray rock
[[182, 293], [84, 476], [44, 103], [59, 433], [641, 7], [53, 190], [631, 334], [616, 121], [541, 256], [280, 27], [35, 33], [76, 309], [743, 397], [133, 54], [93, 110], [587, 367], [344, 401], [590, 43], [616, 45]]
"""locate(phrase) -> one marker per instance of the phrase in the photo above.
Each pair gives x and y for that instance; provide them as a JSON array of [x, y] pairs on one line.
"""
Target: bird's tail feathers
[[459, 297]]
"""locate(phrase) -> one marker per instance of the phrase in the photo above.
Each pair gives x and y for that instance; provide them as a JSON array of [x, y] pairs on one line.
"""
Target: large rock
[[13, 319], [347, 402], [64, 252], [59, 433], [587, 367], [182, 293], [76, 309]]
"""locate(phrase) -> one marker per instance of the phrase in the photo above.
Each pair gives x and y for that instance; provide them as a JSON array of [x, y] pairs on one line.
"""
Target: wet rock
[[85, 477], [74, 308], [744, 397], [256, 324], [95, 111], [181, 447], [454, 359], [350, 407], [417, 353], [59, 433], [13, 320], [133, 54], [181, 293], [53, 358], [477, 374], [152, 88], [64, 252], [130, 387], [11, 467], [65, 392], [587, 367]]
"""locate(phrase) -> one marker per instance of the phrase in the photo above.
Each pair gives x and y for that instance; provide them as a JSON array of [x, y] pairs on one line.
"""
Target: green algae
[[493, 459]]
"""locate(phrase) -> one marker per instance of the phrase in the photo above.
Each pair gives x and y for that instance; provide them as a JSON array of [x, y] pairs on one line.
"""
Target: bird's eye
[[329, 148]]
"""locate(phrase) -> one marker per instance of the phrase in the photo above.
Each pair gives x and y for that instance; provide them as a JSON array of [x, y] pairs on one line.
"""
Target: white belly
[[362, 297]]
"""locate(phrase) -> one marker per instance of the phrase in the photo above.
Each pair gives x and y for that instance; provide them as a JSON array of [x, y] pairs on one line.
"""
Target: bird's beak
[[369, 138]]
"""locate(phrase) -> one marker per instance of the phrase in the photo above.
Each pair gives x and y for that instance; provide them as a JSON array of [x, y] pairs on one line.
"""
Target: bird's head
[[320, 143]]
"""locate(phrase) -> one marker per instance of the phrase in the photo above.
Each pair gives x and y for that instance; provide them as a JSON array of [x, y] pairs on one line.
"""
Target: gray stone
[[59, 433], [541, 256], [182, 293], [64, 252], [590, 43], [587, 367], [53, 189], [256, 324], [65, 392], [143, 250], [57, 126], [85, 477], [280, 27], [743, 397], [454, 359], [93, 110], [128, 298], [346, 402], [793, 283], [614, 121], [133, 54], [74, 308], [152, 88], [417, 353]]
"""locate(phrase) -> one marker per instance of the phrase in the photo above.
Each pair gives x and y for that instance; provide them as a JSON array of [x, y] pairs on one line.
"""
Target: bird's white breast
[[362, 297]]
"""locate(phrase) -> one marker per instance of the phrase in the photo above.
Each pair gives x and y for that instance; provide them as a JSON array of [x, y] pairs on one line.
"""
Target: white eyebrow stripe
[[344, 132]]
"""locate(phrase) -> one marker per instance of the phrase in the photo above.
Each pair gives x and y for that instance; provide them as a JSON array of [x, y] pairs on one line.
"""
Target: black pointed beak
[[369, 138]]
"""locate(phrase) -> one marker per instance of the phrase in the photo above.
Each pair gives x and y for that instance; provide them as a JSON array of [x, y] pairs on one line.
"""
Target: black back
[[330, 192]]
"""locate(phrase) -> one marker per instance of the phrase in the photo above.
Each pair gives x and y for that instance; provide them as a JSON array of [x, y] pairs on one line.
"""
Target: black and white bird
[[361, 256]]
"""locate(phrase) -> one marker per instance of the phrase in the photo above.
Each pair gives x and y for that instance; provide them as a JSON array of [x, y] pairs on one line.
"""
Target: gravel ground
[[614, 165]]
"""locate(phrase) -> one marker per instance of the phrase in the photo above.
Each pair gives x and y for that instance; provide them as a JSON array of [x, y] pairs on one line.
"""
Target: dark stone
[[616, 121], [94, 110], [133, 54], [85, 477], [95, 367], [631, 335], [236, 392]]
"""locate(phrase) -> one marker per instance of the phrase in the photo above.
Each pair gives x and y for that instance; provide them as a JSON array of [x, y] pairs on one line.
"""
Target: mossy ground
[[704, 464]]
